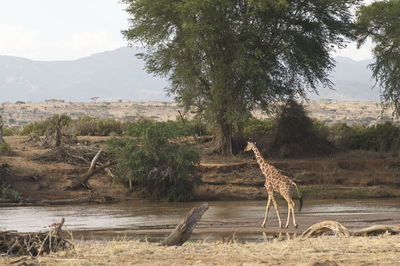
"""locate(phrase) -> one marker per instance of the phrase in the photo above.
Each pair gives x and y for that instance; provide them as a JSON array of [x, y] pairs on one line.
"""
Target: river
[[146, 217]]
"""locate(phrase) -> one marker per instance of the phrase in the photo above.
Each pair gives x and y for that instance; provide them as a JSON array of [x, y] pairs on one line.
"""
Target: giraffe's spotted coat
[[274, 182]]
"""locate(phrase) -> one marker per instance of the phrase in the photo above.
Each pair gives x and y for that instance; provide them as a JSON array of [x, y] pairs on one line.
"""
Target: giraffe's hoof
[[286, 226], [296, 225], [263, 226]]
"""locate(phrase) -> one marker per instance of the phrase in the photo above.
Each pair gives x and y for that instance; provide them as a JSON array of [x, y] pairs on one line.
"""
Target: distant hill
[[110, 75], [352, 82], [119, 74]]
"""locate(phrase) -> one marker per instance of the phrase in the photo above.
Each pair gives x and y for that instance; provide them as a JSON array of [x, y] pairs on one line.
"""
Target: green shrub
[[382, 137], [258, 127], [11, 131], [161, 167], [5, 149], [296, 134], [8, 192], [45, 127], [94, 126], [168, 129]]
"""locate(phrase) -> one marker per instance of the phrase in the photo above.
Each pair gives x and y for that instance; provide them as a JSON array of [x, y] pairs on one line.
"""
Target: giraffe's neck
[[264, 166], [259, 158]]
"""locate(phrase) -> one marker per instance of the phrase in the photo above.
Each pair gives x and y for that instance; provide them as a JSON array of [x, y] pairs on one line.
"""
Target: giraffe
[[275, 182]]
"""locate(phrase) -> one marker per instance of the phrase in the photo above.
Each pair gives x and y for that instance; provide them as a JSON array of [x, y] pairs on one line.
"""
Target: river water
[[135, 215]]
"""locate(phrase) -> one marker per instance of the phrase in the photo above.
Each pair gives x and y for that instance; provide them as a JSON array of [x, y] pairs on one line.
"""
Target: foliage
[[155, 161], [295, 133], [8, 192], [382, 137], [255, 127], [167, 129], [45, 127], [94, 126], [380, 21], [11, 131], [5, 149], [225, 57]]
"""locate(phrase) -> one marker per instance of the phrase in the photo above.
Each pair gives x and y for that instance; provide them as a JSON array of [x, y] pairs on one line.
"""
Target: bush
[[296, 134], [163, 168], [11, 131], [93, 126], [382, 137], [168, 129], [258, 127], [45, 127], [6, 150], [8, 192]]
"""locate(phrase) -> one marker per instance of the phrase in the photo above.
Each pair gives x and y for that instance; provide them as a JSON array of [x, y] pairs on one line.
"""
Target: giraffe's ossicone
[[275, 182]]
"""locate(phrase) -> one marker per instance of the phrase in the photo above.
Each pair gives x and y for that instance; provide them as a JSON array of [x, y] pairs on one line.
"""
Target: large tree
[[380, 21], [224, 57]]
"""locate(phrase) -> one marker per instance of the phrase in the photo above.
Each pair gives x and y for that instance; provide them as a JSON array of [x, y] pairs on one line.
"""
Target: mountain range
[[119, 74]]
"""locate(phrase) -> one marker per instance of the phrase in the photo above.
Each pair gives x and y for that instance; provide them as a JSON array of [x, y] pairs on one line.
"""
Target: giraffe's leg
[[266, 211], [277, 211], [294, 218], [289, 208], [290, 204]]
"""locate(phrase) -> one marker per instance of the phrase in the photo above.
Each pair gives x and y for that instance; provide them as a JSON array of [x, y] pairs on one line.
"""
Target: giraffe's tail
[[300, 197]]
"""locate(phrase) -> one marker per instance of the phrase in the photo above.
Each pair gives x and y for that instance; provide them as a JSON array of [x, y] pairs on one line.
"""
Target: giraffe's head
[[250, 145]]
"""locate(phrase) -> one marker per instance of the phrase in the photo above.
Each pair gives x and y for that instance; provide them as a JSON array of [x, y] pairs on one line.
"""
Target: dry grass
[[331, 111], [384, 250]]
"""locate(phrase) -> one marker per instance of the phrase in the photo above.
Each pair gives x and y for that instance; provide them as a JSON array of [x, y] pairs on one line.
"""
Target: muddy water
[[139, 216]]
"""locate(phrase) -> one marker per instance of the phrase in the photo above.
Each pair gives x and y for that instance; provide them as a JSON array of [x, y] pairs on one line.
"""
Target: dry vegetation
[[14, 114], [382, 250], [354, 175]]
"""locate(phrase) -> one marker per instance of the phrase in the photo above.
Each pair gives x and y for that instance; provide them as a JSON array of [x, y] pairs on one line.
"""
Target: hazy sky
[[70, 29]]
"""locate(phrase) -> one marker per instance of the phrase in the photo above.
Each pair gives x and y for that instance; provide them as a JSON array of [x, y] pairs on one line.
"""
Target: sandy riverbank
[[383, 250]]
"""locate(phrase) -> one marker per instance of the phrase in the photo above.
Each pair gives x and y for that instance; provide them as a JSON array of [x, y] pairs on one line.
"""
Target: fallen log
[[183, 231], [377, 230], [338, 229], [322, 228]]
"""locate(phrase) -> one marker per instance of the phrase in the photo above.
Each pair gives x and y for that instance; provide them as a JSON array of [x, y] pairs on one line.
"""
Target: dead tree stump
[[183, 231], [82, 181]]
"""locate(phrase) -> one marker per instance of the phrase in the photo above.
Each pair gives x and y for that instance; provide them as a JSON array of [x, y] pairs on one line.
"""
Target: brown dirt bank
[[354, 175], [383, 250]]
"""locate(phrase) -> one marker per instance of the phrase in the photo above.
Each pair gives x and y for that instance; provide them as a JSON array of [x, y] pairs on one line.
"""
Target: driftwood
[[183, 231], [82, 181], [338, 229], [34, 244], [377, 230], [323, 227]]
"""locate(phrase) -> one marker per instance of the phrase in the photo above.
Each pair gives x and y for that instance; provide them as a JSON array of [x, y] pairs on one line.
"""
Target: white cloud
[[351, 51], [24, 42]]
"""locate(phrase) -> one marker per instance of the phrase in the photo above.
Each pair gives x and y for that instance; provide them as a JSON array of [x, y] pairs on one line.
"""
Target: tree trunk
[[82, 181], [224, 139], [183, 231], [1, 130], [58, 133]]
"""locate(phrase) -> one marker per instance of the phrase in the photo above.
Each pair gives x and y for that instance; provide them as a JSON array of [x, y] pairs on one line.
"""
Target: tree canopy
[[225, 57], [380, 21]]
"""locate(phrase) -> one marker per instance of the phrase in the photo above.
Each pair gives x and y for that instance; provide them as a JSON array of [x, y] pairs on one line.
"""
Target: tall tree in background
[[380, 21], [225, 57]]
